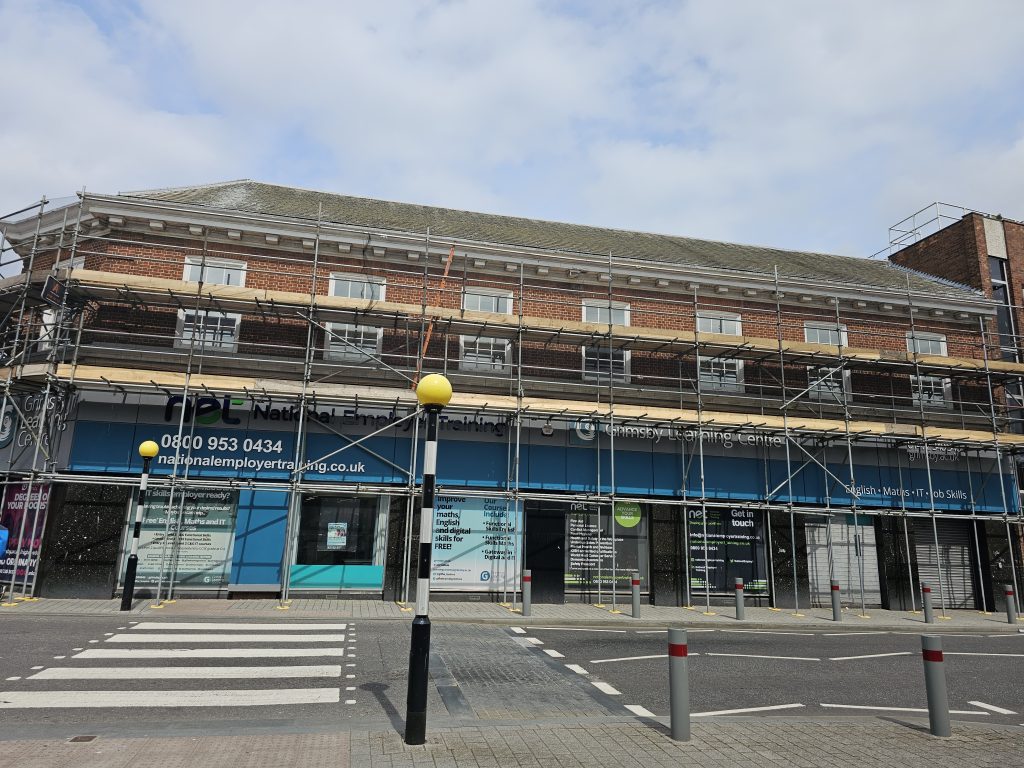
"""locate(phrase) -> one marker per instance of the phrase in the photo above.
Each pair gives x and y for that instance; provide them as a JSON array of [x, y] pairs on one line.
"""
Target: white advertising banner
[[478, 545]]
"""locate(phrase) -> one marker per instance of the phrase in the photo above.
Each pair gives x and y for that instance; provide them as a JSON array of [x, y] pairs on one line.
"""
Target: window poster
[[13, 517], [735, 549], [337, 535], [603, 548], [201, 555], [478, 544]]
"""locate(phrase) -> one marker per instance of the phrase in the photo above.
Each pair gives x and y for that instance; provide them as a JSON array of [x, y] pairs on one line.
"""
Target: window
[[825, 333], [600, 360], [47, 328], [721, 374], [824, 382], [480, 353], [207, 328], [215, 271], [921, 343], [349, 341], [727, 323], [931, 391]]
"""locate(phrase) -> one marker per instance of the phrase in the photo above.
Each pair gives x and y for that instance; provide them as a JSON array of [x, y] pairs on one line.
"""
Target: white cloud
[[804, 125]]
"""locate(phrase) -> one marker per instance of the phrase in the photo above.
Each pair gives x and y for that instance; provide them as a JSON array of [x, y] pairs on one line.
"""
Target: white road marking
[[534, 640], [107, 634], [636, 709], [850, 634], [350, 701], [1004, 634], [870, 656], [76, 649], [350, 665], [576, 629], [94, 641], [38, 668], [518, 630], [203, 653], [748, 709], [232, 638], [554, 654], [350, 688], [577, 669], [663, 631], [237, 626], [168, 673], [60, 657], [349, 676], [633, 658], [900, 709], [766, 632], [14, 678], [158, 698], [754, 656], [992, 707], [605, 688]]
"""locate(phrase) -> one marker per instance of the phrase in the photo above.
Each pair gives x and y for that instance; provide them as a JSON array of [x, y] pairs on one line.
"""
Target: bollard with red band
[[1011, 604], [739, 600], [636, 594], [527, 591], [678, 685], [935, 685], [926, 601], [837, 606]]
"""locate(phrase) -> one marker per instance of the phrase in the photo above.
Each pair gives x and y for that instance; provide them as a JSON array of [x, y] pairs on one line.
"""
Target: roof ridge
[[936, 278], [210, 185]]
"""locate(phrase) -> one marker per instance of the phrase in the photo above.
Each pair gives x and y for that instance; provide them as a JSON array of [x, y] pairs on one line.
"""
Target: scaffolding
[[123, 325]]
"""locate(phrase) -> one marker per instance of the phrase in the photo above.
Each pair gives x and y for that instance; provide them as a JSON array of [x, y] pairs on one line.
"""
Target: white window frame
[[818, 390], [204, 264], [47, 328], [466, 364], [215, 263], [710, 315], [225, 346], [626, 356], [823, 325], [715, 383], [915, 337], [343, 351], [947, 391]]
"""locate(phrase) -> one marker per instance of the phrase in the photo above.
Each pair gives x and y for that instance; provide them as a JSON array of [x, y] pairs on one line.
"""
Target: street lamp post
[[147, 451], [434, 392]]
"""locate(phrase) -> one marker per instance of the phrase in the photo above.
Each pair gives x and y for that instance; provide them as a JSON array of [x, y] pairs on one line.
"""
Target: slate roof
[[271, 199]]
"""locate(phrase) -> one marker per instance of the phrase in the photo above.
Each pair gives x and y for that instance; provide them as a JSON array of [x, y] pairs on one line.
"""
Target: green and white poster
[[201, 555], [477, 544]]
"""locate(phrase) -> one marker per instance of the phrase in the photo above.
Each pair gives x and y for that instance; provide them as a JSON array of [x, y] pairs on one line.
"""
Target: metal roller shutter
[[844, 560], [955, 558]]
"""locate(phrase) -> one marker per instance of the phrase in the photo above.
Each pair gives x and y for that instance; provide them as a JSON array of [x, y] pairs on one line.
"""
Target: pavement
[[496, 698]]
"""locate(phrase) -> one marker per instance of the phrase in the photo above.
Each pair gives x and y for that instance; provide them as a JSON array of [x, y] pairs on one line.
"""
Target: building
[[691, 410]]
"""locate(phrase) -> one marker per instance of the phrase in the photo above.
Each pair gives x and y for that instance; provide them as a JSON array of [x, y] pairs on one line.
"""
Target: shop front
[[220, 527]]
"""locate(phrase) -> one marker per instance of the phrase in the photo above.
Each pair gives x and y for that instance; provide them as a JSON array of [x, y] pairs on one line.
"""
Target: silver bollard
[[1011, 604], [935, 685], [636, 594], [739, 600], [527, 588], [837, 606], [678, 685], [926, 601]]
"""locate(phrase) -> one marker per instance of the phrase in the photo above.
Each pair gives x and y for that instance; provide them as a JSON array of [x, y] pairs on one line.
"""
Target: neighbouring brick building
[[692, 410]]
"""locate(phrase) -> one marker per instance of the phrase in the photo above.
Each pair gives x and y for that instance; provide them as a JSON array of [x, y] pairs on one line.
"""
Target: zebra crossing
[[149, 663]]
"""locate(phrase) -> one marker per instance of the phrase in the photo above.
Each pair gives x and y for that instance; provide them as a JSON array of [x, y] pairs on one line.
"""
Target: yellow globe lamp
[[434, 391], [148, 449]]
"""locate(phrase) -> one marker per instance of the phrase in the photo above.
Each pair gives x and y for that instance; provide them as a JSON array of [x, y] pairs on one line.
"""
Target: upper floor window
[[920, 343], [817, 332], [215, 271], [601, 360], [727, 323], [931, 391], [482, 353], [207, 328], [351, 341], [721, 374]]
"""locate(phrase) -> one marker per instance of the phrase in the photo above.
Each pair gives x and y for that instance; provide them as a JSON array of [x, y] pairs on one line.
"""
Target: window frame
[[626, 354], [823, 325], [180, 342], [913, 337], [703, 314], [824, 394], [344, 352], [947, 391], [717, 385], [476, 365], [216, 262]]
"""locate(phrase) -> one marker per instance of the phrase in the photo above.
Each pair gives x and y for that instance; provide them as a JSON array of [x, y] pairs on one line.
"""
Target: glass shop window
[[335, 530]]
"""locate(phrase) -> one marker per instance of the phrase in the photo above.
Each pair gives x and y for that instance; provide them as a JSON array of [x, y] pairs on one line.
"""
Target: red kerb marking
[[677, 649], [931, 655]]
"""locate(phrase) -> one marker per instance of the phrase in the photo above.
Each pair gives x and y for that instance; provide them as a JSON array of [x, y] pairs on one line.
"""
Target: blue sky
[[799, 124]]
